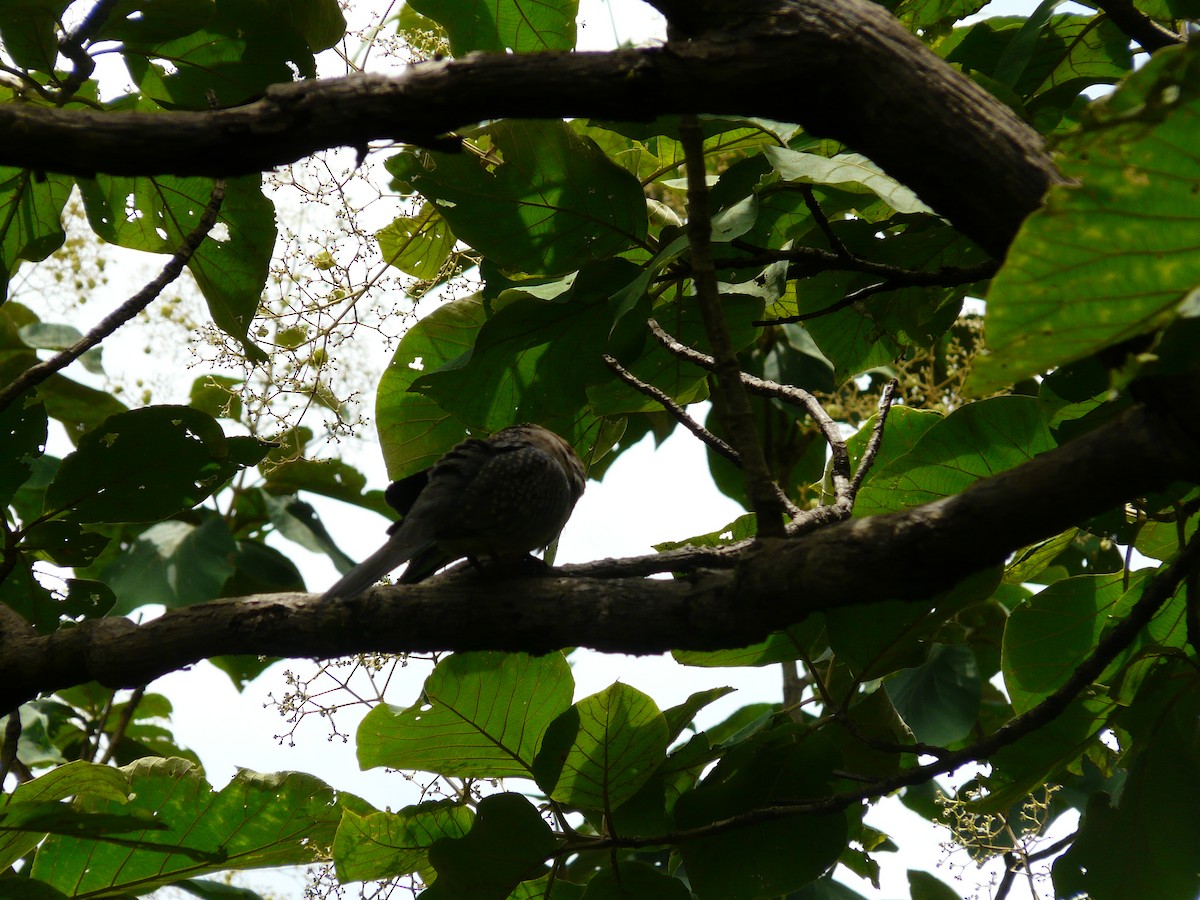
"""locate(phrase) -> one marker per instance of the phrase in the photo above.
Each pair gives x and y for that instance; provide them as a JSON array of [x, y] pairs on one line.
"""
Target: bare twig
[[738, 414], [38, 373], [886, 399], [8, 753], [1138, 26], [118, 733], [681, 416], [818, 214], [677, 412], [798, 396]]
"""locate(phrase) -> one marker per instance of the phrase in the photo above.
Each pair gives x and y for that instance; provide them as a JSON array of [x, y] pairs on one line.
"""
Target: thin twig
[[822, 220], [886, 399], [850, 299], [738, 414], [676, 411], [38, 373], [680, 415], [122, 724], [798, 396], [12, 738]]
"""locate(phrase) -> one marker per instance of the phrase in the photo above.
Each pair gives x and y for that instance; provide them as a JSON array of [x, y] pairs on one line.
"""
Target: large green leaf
[[975, 441], [74, 779], [173, 563], [156, 214], [384, 844], [256, 820], [533, 359], [1052, 632], [939, 700], [1143, 842], [147, 464], [414, 431], [603, 749], [30, 34], [509, 834], [543, 201], [1110, 254], [778, 765], [481, 715], [31, 208], [22, 440], [232, 50], [518, 25]]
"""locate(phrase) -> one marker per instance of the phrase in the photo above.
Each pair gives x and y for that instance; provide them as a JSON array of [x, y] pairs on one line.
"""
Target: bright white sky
[[648, 496]]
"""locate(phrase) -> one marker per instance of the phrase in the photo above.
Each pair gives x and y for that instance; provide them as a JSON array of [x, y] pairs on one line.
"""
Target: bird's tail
[[397, 550]]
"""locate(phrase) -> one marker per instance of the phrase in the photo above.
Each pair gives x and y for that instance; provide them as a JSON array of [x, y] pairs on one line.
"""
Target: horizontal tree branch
[[844, 69], [910, 555]]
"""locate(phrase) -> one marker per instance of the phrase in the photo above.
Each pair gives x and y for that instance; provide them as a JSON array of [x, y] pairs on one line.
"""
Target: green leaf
[[745, 862], [617, 738], [924, 886], [635, 881], [22, 440], [256, 820], [975, 441], [173, 563], [15, 887], [518, 25], [481, 715], [783, 646], [234, 55], [30, 213], [510, 834], [45, 336], [329, 478], [845, 169], [64, 543], [155, 22], [680, 717], [72, 779], [552, 203], [297, 521], [30, 32], [417, 245], [1108, 255], [147, 464], [384, 844], [533, 359], [217, 396], [938, 700], [1052, 632], [413, 430], [156, 214], [1142, 843]]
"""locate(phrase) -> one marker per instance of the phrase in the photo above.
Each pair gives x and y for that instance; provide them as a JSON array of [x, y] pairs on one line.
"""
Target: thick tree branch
[[844, 69], [910, 555]]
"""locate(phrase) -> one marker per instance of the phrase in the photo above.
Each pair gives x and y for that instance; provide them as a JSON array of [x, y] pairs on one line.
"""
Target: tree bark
[[844, 69], [910, 555]]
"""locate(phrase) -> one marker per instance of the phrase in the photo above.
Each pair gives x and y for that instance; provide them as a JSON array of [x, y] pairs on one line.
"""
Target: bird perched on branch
[[499, 497]]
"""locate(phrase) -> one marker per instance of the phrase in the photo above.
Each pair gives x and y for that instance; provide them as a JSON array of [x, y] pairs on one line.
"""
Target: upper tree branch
[[845, 69], [910, 555]]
